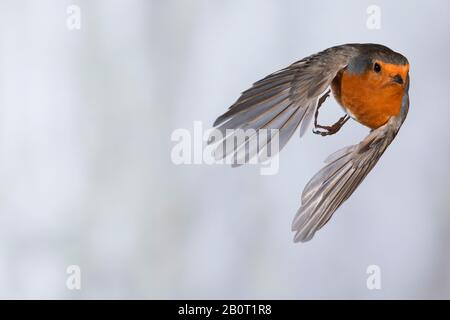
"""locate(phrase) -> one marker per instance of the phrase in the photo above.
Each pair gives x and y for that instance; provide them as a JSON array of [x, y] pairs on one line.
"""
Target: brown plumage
[[369, 81]]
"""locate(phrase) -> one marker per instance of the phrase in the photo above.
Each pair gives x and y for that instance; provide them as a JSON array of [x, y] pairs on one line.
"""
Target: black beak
[[397, 79]]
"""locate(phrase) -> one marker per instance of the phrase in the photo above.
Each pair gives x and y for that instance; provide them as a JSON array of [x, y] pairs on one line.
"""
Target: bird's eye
[[376, 67]]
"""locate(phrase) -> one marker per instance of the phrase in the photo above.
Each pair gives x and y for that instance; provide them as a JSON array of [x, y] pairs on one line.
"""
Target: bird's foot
[[329, 130]]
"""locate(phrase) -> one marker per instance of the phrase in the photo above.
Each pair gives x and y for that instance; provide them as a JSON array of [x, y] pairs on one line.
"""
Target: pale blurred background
[[87, 179]]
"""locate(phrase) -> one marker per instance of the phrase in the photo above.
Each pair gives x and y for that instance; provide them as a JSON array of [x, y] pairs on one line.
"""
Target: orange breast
[[370, 99]]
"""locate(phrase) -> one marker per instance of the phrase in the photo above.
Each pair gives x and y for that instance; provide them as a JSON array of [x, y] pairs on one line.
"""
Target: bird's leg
[[319, 104], [329, 130]]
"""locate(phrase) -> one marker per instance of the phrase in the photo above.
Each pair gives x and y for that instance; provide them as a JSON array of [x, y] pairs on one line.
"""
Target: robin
[[369, 81]]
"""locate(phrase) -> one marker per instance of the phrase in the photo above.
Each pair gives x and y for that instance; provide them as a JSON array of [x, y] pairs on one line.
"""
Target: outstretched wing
[[345, 170], [281, 101]]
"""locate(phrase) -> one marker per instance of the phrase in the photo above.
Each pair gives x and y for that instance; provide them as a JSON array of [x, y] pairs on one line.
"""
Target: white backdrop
[[87, 179]]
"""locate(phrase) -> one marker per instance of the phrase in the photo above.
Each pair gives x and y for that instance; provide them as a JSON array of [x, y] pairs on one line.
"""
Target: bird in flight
[[369, 81]]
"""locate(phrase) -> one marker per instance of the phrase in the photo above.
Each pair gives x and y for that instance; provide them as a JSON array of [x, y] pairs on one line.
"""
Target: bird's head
[[381, 66]]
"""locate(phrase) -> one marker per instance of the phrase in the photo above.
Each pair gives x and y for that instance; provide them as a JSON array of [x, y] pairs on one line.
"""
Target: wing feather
[[344, 172], [282, 101]]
